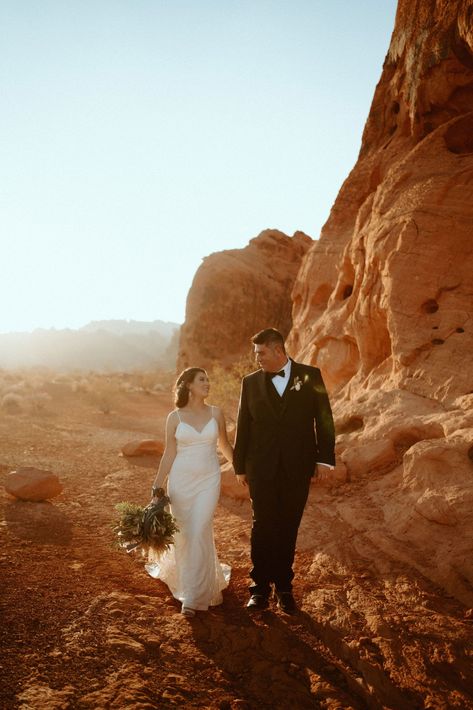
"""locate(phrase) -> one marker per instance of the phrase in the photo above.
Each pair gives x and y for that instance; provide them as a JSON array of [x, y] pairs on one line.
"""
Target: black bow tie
[[281, 373]]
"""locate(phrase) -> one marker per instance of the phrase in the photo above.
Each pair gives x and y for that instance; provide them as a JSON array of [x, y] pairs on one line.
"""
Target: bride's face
[[200, 385]]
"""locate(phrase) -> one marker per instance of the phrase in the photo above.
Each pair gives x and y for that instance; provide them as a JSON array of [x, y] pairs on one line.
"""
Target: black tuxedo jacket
[[294, 431]]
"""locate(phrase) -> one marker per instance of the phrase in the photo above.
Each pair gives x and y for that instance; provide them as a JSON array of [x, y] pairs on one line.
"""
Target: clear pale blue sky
[[138, 136]]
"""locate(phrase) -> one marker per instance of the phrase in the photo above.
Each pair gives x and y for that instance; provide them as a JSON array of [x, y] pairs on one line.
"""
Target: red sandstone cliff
[[385, 295], [237, 292], [383, 302]]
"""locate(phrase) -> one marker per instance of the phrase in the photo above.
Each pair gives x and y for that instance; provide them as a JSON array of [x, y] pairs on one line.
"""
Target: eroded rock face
[[383, 302], [384, 298], [237, 292]]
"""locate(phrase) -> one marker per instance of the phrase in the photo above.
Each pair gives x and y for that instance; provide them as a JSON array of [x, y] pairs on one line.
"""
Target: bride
[[191, 568]]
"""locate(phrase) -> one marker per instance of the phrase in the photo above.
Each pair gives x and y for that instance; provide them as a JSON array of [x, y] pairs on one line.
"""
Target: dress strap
[[179, 415]]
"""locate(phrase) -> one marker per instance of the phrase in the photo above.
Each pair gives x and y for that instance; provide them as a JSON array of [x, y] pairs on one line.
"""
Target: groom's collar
[[287, 368]]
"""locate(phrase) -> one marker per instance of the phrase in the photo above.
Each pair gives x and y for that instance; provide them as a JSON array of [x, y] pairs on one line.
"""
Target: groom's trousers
[[278, 505]]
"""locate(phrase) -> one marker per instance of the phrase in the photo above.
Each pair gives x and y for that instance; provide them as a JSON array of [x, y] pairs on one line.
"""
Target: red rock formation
[[383, 302], [237, 292], [385, 294], [33, 484]]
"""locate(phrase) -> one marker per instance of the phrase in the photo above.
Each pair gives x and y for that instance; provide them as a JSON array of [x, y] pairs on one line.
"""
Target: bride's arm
[[170, 450], [223, 443]]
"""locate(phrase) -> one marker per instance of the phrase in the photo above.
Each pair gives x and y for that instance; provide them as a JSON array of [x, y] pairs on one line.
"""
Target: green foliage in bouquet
[[147, 528]]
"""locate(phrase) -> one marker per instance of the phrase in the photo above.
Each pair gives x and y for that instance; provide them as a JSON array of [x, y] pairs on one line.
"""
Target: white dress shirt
[[280, 383]]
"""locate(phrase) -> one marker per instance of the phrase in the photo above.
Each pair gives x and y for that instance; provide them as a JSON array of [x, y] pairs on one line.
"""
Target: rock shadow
[[39, 523], [269, 664], [145, 461], [364, 682]]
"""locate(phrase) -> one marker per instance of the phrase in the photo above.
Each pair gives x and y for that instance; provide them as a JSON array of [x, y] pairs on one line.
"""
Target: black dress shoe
[[257, 602], [286, 602]]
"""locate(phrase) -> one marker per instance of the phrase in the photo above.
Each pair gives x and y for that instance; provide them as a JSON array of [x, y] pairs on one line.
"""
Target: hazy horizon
[[139, 138], [92, 322], [109, 345]]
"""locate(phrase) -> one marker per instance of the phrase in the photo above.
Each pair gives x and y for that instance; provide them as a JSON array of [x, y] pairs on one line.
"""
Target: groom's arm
[[324, 425], [242, 433]]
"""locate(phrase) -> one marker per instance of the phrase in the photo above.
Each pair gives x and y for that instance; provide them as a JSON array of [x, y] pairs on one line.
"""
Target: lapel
[[264, 385]]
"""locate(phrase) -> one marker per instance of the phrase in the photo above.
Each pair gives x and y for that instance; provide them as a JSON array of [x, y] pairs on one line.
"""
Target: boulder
[[143, 447], [436, 508], [434, 464], [236, 293], [33, 484], [378, 455]]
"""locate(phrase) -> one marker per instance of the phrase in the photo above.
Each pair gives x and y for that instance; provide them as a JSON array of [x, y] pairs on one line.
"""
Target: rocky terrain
[[384, 300], [84, 626]]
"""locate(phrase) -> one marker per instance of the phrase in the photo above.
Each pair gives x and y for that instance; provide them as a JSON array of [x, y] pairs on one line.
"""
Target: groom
[[284, 429]]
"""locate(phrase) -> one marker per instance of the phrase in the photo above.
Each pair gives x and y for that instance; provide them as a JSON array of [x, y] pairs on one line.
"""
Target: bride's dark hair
[[181, 388]]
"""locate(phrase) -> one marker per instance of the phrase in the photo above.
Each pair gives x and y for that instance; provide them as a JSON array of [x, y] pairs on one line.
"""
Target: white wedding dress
[[191, 568]]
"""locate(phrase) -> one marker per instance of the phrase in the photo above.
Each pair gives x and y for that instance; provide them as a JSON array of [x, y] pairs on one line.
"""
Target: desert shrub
[[102, 392], [61, 379], [225, 383], [37, 383], [127, 387], [39, 401], [150, 381], [81, 385], [12, 403], [104, 402], [18, 388]]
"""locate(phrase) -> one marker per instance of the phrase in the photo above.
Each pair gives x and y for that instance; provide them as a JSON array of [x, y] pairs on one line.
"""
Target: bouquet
[[144, 529]]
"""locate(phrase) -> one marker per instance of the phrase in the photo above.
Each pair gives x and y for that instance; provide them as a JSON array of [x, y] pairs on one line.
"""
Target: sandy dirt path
[[84, 626]]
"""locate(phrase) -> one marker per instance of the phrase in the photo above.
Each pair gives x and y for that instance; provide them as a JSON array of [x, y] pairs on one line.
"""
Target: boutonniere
[[297, 384]]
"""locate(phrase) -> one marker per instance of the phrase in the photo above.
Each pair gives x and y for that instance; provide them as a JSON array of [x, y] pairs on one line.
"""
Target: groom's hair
[[269, 336]]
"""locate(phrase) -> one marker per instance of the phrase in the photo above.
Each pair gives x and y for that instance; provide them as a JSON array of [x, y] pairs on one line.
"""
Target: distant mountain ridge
[[124, 327], [102, 346]]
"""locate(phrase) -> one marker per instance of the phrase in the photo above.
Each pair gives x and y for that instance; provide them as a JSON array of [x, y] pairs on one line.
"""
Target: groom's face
[[269, 356]]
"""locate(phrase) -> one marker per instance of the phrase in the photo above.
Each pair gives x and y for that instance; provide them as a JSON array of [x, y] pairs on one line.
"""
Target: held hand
[[242, 480], [323, 473], [156, 493]]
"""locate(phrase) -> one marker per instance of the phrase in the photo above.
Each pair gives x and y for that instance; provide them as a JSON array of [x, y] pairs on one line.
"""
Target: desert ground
[[84, 626]]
